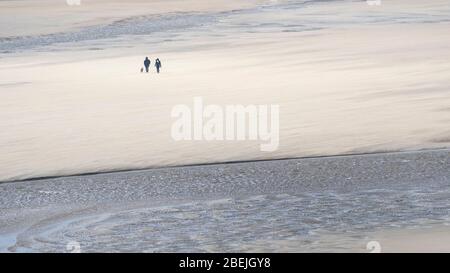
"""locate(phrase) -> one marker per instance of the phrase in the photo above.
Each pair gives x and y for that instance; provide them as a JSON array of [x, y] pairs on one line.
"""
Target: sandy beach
[[76, 103], [370, 82], [28, 17], [328, 204]]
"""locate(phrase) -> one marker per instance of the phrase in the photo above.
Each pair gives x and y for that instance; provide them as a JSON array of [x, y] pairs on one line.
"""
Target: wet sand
[[28, 17], [349, 78], [331, 204]]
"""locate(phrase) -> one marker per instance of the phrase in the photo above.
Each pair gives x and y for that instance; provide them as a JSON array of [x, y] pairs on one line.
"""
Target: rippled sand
[[336, 204]]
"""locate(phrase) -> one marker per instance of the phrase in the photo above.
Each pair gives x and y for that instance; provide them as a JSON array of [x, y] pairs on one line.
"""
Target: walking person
[[147, 64], [158, 65]]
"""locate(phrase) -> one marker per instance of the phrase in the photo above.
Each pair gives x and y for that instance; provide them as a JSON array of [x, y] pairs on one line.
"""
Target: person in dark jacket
[[158, 65], [147, 64]]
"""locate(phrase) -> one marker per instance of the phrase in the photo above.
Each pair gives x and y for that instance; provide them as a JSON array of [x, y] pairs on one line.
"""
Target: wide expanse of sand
[[350, 88], [426, 237]]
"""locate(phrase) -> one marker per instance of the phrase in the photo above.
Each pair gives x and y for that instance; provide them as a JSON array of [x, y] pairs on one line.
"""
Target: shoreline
[[355, 199], [232, 163], [61, 17]]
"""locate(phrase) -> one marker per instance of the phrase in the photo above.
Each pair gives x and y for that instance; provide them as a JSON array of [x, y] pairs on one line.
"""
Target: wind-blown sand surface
[[365, 80], [349, 79]]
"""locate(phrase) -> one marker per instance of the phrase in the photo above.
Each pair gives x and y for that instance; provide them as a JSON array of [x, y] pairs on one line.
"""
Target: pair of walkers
[[147, 63]]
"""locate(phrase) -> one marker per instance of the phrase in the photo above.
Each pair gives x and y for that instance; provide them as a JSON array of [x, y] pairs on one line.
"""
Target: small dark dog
[[142, 70]]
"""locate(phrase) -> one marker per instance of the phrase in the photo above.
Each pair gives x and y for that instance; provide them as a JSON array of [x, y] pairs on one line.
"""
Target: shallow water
[[265, 223], [275, 206]]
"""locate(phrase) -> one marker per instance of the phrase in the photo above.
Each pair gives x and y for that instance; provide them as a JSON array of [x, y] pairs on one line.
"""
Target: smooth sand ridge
[[364, 88]]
